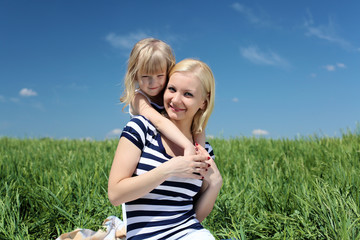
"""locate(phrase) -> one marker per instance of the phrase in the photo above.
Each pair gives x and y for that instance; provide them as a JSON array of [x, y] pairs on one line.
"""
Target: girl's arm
[[200, 138], [122, 187], [210, 189], [141, 106]]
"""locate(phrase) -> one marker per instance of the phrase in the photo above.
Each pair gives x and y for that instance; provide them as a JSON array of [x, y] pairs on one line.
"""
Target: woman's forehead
[[185, 79]]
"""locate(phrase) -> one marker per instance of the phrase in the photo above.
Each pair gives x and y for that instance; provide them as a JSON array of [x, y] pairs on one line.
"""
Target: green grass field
[[307, 188]]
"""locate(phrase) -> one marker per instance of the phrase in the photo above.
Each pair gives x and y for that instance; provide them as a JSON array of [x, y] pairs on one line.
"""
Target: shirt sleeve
[[210, 150], [135, 131]]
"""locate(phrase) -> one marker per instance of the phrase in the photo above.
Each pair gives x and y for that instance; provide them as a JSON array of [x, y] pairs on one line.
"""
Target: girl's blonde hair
[[204, 74], [149, 56]]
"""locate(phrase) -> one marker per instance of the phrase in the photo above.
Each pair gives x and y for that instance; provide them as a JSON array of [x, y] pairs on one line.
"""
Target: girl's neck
[[158, 99]]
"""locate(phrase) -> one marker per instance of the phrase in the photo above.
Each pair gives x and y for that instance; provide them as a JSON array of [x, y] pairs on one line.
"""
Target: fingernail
[[196, 144], [209, 165], [206, 170], [196, 149], [208, 158], [202, 177]]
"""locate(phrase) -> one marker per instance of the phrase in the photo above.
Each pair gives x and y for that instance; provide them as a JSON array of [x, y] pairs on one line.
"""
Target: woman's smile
[[176, 109]]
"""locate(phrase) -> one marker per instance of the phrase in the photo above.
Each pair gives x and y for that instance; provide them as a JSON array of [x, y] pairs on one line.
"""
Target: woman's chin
[[175, 116]]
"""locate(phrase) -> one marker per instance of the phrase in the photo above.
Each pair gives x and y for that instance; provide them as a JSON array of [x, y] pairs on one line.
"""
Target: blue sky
[[282, 68]]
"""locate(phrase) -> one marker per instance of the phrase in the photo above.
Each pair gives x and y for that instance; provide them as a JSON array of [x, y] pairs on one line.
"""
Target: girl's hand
[[193, 166], [189, 150], [212, 175]]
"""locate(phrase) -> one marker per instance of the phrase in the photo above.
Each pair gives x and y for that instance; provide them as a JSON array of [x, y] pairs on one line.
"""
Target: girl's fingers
[[200, 158], [202, 150]]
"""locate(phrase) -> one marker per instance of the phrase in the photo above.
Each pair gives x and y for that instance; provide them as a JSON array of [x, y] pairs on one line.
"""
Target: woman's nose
[[176, 98]]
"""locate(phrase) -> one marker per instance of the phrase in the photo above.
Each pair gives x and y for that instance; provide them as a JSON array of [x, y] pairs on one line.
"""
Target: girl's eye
[[160, 76], [187, 94]]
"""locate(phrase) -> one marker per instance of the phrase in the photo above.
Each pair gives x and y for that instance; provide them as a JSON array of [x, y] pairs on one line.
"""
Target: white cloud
[[125, 41], [246, 12], [25, 92], [341, 65], [325, 32], [260, 132], [313, 75], [235, 99], [330, 68], [256, 56], [114, 133]]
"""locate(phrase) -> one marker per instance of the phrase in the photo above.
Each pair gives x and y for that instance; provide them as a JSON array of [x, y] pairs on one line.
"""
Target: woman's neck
[[170, 147], [185, 128]]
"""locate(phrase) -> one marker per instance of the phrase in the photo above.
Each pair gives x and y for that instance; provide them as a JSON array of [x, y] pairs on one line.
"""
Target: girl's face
[[152, 84], [183, 96]]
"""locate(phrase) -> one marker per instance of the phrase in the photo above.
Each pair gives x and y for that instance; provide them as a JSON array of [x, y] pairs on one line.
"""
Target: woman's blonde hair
[[149, 56], [204, 74]]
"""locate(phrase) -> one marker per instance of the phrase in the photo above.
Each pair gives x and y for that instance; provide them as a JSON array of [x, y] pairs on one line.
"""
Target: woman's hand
[[193, 166], [212, 175]]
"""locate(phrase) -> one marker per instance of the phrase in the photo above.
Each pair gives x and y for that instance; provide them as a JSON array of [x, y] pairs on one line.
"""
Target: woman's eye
[[187, 94], [171, 89]]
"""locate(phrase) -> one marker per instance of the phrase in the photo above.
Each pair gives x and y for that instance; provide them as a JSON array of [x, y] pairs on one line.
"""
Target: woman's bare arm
[[122, 187]]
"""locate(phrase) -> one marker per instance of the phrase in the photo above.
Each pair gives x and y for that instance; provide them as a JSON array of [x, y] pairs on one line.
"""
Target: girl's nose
[[151, 80]]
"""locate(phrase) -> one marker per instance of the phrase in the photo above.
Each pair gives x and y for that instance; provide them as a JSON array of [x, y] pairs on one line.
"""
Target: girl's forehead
[[153, 69], [153, 64]]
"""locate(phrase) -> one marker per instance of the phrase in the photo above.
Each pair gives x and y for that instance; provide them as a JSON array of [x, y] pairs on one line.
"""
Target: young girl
[[149, 64]]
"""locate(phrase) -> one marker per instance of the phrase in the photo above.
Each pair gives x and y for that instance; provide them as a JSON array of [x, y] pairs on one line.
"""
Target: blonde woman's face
[[183, 96], [152, 84]]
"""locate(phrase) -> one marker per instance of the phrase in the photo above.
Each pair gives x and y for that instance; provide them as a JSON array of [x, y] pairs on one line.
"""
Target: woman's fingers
[[194, 166]]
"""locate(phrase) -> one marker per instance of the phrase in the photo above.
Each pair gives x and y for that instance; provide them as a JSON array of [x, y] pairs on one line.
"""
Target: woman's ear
[[203, 105]]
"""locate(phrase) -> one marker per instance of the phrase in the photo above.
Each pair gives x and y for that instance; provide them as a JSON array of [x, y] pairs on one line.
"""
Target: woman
[[167, 195]]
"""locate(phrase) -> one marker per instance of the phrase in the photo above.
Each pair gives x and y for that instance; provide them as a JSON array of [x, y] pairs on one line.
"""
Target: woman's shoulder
[[139, 130], [141, 123], [209, 149]]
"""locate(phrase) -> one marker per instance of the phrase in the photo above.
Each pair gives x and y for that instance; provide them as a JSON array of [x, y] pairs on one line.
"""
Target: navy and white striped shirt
[[167, 211]]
